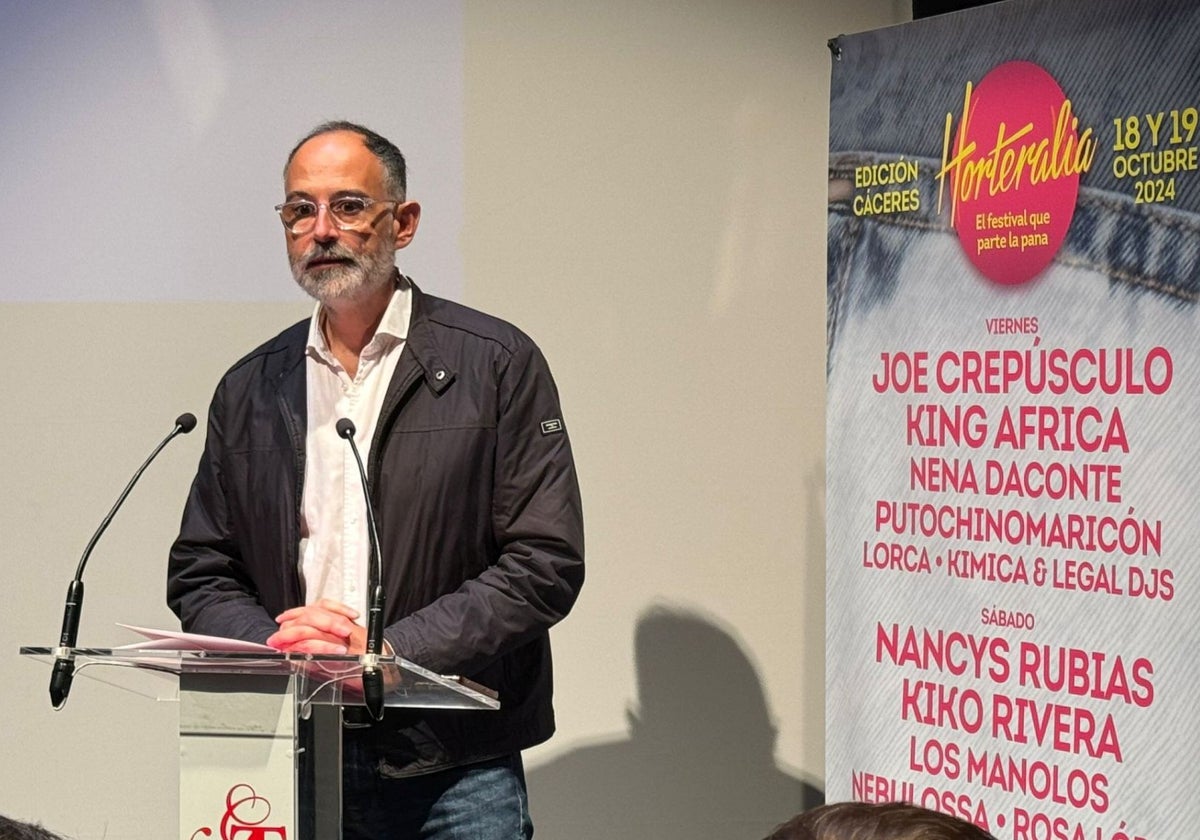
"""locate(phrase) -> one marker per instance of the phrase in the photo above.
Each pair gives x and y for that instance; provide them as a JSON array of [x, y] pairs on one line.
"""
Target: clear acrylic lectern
[[260, 733]]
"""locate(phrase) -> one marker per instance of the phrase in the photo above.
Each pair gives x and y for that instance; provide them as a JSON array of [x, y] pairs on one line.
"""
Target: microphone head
[[185, 422], [60, 681], [345, 428]]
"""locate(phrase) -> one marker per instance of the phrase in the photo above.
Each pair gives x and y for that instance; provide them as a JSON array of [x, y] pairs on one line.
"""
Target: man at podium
[[472, 484]]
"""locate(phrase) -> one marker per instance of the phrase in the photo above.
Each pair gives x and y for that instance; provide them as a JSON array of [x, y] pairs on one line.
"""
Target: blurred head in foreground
[[17, 830], [864, 821]]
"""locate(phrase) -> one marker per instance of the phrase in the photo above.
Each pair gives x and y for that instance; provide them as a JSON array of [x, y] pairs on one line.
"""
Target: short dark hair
[[395, 173], [16, 830], [888, 821]]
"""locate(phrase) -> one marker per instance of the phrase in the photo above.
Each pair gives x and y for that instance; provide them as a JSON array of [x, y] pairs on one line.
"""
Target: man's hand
[[328, 627], [324, 627]]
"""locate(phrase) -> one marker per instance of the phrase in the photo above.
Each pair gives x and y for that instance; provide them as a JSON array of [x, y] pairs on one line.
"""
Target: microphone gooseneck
[[64, 661], [372, 675]]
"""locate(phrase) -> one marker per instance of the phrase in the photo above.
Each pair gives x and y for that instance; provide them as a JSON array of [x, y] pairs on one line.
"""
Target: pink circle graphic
[[1014, 172]]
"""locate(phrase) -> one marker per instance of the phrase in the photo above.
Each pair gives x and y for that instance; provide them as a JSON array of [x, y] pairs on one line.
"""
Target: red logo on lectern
[[245, 813]]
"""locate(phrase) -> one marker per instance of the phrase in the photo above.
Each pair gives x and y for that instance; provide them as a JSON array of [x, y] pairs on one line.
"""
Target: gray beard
[[366, 274]]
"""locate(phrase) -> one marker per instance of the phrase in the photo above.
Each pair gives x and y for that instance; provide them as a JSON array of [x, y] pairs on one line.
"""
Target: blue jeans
[[484, 801]]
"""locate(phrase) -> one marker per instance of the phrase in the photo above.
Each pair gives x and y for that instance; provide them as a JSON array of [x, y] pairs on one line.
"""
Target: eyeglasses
[[348, 212]]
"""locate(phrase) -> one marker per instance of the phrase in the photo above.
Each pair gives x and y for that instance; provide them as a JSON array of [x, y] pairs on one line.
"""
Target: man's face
[[330, 263]]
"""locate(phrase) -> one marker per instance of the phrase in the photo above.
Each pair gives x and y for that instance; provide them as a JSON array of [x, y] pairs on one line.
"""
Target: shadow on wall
[[699, 758]]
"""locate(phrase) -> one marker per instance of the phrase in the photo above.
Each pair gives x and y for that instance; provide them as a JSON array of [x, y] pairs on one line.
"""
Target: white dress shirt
[[334, 546]]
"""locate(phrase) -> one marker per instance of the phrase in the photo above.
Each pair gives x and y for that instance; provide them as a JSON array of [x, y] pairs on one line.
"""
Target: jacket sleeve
[[208, 585], [537, 526]]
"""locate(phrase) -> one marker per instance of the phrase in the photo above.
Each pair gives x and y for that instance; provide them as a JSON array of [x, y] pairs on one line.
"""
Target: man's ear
[[405, 219]]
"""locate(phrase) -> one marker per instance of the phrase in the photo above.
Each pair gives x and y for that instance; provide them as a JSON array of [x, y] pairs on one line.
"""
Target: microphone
[[64, 659], [372, 676]]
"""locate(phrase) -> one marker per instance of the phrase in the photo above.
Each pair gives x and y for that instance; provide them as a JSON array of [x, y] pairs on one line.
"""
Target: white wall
[[643, 194]]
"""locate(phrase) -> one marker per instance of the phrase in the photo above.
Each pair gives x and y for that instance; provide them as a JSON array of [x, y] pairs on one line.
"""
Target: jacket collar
[[421, 347], [421, 358]]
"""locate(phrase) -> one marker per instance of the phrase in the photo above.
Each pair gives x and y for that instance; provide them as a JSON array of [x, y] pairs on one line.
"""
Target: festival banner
[[1013, 504]]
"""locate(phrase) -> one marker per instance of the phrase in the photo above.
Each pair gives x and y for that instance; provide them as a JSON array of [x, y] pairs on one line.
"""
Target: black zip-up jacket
[[478, 510]]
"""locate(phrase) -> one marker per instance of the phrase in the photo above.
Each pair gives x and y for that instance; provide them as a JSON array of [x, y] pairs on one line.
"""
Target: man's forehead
[[336, 159]]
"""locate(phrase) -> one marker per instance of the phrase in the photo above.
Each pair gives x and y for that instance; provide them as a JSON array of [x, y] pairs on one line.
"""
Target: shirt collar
[[393, 326]]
